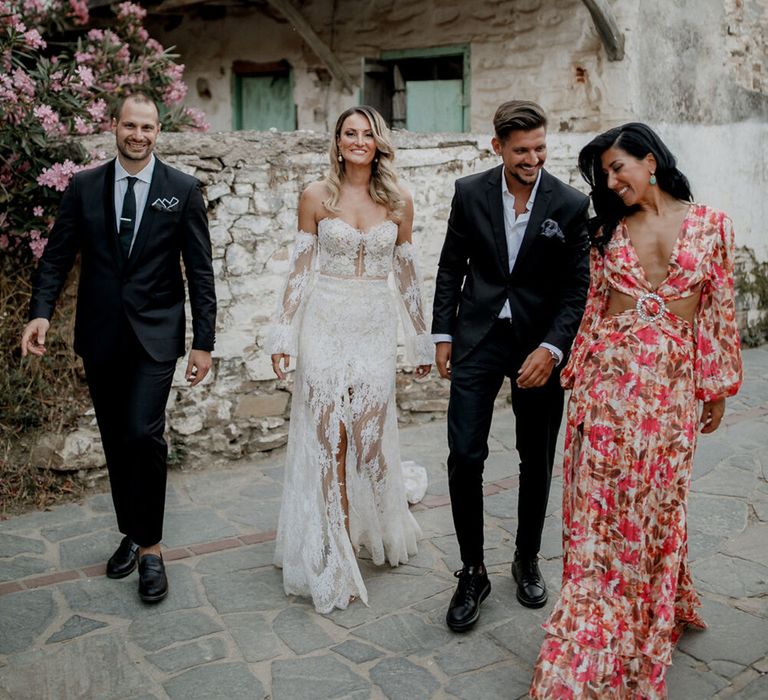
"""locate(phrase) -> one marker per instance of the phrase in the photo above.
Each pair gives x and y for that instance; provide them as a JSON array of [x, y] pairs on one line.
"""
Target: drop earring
[[340, 158], [652, 179]]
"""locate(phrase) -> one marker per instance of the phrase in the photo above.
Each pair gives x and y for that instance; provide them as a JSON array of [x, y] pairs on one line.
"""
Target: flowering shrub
[[52, 88]]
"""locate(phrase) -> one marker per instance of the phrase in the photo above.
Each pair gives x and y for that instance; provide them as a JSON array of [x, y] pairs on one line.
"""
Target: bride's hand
[[422, 371], [276, 364]]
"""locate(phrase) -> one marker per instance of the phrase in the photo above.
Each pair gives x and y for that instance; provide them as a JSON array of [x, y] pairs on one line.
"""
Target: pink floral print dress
[[636, 380]]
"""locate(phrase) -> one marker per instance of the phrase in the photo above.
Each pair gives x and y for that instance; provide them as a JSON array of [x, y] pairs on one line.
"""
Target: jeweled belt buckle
[[661, 307]]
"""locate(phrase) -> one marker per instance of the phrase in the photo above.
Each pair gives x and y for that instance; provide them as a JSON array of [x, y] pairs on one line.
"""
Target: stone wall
[[253, 181]]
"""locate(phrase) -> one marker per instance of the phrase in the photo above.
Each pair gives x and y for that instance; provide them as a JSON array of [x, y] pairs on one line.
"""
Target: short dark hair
[[140, 97], [518, 115]]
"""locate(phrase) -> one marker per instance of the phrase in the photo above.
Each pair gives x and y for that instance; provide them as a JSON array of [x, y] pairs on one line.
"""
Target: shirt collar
[[529, 203], [145, 174]]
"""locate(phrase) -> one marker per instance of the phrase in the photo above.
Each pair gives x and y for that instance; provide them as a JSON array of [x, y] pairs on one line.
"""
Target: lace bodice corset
[[345, 251]]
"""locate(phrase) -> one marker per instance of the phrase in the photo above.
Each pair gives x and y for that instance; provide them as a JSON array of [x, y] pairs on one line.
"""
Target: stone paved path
[[227, 631]]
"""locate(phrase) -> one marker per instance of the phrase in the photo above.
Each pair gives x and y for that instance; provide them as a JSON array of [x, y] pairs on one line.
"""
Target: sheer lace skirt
[[345, 376]]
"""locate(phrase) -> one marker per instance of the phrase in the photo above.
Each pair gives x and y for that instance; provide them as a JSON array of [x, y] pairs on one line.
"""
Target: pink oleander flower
[[96, 35], [57, 177], [155, 47], [79, 11], [49, 119], [82, 127], [33, 39], [37, 243], [86, 76], [23, 83], [197, 117], [127, 10], [123, 54], [37, 211], [98, 110], [175, 93], [32, 7], [57, 81], [8, 92]]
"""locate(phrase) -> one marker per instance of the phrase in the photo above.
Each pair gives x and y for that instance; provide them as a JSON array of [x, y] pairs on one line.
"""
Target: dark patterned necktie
[[127, 217]]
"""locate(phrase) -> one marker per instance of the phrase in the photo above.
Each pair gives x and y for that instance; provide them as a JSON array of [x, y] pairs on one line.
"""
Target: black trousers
[[129, 391], [475, 383]]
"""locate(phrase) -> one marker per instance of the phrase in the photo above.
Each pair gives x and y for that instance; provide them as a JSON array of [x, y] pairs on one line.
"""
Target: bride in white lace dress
[[343, 486]]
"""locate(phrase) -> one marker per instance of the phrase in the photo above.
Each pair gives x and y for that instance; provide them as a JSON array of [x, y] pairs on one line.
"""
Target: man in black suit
[[131, 221], [510, 292]]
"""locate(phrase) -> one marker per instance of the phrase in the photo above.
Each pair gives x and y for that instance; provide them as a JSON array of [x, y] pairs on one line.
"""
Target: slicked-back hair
[[518, 115]]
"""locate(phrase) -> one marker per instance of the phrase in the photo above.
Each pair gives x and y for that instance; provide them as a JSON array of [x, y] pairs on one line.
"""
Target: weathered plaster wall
[[546, 50], [253, 181], [700, 61]]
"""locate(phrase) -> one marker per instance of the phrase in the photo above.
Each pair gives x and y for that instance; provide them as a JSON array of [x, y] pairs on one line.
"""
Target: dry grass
[[37, 395]]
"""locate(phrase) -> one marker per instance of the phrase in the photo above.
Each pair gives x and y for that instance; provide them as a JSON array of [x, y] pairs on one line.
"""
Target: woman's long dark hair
[[638, 140]]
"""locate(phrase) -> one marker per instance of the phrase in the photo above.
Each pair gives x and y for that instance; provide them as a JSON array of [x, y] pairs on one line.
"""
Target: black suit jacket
[[148, 289], [548, 285]]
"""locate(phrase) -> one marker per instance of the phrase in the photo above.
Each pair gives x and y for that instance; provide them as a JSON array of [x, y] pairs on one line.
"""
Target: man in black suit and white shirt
[[510, 292], [132, 220]]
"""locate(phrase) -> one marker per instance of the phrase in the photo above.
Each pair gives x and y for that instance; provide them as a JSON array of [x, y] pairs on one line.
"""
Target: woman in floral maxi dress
[[657, 337]]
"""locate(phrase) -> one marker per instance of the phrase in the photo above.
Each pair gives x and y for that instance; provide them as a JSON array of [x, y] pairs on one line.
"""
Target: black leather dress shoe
[[153, 584], [472, 590], [123, 561], [531, 589]]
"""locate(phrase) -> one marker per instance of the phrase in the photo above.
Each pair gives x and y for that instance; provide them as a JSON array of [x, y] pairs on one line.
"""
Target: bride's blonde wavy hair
[[383, 188]]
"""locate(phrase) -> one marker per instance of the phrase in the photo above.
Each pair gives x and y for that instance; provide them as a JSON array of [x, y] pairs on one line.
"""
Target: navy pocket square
[[170, 204], [551, 229]]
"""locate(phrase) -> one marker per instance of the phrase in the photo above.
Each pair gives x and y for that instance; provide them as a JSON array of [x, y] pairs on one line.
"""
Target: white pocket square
[[164, 204]]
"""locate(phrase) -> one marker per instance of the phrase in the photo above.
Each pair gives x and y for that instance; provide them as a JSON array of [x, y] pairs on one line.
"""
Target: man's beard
[[515, 174]]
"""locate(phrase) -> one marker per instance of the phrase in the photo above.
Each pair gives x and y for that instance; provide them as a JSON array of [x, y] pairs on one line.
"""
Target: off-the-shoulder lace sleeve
[[283, 332], [597, 303], [718, 368], [420, 350]]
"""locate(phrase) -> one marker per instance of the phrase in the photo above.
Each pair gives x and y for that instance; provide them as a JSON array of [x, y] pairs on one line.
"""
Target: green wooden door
[[434, 105], [263, 102]]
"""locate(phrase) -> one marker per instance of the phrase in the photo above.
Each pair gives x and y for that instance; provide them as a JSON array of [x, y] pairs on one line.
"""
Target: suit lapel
[[156, 188], [496, 210], [110, 214], [538, 214]]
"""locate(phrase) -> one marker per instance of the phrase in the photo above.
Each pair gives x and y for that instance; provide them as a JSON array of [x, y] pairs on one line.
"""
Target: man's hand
[[711, 415], [33, 337], [536, 369], [199, 364], [276, 358], [443, 359]]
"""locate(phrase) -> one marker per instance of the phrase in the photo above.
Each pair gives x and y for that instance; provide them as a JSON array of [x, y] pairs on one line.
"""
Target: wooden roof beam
[[608, 30], [323, 52]]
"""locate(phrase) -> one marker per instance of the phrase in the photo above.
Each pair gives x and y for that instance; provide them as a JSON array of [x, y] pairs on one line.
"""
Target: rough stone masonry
[[252, 184]]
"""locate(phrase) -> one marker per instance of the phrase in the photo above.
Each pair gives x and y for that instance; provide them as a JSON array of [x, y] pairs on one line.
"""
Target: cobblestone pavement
[[227, 631]]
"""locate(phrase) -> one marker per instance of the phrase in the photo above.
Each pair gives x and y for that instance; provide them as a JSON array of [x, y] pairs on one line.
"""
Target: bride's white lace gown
[[338, 316]]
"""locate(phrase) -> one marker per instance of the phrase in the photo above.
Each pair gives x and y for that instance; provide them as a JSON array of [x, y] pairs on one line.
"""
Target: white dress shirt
[[140, 191], [514, 230]]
